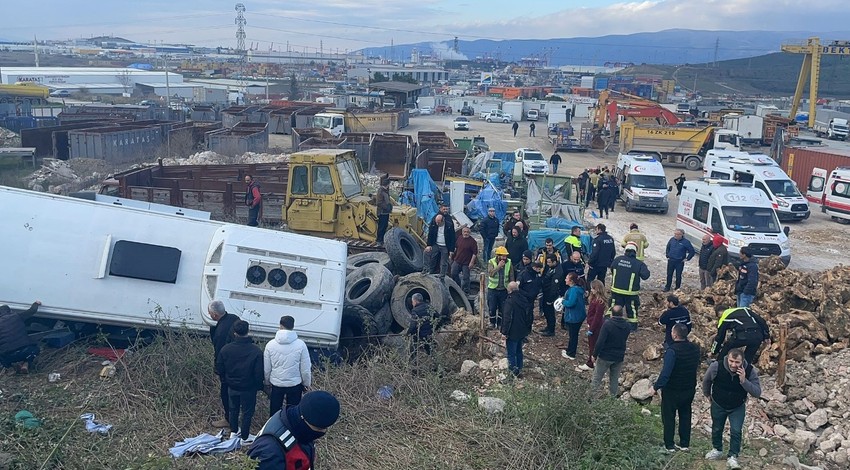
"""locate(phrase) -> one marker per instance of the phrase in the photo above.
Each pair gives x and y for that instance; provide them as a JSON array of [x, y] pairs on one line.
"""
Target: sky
[[345, 25]]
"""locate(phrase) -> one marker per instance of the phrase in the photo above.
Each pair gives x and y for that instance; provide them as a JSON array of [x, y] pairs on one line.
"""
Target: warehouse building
[[420, 74], [102, 80]]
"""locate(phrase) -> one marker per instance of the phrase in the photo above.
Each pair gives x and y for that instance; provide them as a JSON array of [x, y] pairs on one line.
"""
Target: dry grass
[[166, 391]]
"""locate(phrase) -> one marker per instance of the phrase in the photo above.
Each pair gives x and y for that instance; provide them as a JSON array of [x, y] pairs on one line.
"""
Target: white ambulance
[[831, 191], [739, 212], [764, 174], [644, 184], [97, 262]]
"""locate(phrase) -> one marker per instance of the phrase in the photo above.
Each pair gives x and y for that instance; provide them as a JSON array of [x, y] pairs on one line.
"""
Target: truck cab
[[644, 184], [742, 214], [764, 174], [331, 122], [531, 161], [832, 191]]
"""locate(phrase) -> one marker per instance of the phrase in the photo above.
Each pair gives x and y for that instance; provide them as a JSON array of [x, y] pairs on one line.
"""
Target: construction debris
[[212, 158], [67, 176], [9, 138]]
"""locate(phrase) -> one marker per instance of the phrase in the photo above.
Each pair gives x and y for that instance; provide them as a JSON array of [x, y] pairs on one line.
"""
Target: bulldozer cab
[[320, 182]]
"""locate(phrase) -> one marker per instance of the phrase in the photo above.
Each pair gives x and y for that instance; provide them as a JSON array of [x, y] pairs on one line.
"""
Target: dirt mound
[[813, 305]]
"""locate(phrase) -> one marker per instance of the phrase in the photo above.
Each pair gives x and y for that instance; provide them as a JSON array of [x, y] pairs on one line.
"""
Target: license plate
[[652, 205]]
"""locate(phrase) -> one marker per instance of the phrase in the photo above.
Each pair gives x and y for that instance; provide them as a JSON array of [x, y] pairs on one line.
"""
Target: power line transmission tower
[[240, 43]]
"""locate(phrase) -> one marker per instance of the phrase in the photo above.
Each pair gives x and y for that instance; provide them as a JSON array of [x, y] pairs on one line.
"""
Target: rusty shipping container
[[299, 135], [203, 113], [798, 162], [116, 144], [236, 114], [241, 138], [218, 189], [44, 139], [391, 154], [281, 120], [359, 142]]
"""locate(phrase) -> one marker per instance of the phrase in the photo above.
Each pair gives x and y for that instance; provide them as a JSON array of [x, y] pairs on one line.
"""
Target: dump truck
[[111, 262], [318, 192], [677, 145], [338, 122], [25, 89]]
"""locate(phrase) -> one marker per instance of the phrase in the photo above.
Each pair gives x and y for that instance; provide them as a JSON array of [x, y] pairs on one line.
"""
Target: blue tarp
[[537, 239], [487, 198], [424, 193]]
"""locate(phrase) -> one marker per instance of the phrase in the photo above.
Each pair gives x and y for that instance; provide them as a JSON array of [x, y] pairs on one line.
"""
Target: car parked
[[532, 115], [60, 93], [461, 123], [426, 110], [443, 109], [467, 111]]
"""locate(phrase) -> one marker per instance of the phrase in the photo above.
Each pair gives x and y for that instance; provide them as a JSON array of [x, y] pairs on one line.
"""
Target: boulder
[[468, 367], [817, 419], [653, 352], [491, 405], [780, 431], [485, 364], [802, 440], [503, 363], [457, 395], [642, 390]]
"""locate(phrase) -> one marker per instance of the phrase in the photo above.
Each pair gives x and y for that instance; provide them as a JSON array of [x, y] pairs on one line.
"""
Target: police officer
[[553, 287], [602, 254], [748, 329], [626, 274]]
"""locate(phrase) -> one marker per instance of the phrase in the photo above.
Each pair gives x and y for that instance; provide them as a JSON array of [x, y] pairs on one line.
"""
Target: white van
[[832, 191], [765, 174], [644, 184], [98, 262], [738, 211]]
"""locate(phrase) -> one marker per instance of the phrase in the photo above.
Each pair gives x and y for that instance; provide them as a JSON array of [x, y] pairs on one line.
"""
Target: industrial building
[[420, 74], [102, 80]]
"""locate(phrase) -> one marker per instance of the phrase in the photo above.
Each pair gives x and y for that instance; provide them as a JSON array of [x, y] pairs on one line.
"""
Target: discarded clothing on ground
[[205, 444], [94, 426], [26, 419]]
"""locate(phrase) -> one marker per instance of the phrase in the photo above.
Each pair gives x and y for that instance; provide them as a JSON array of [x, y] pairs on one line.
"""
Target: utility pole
[[167, 103], [716, 48]]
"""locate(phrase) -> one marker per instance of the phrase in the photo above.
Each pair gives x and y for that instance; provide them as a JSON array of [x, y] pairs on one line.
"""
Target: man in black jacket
[[626, 274], [610, 350], [16, 347], [441, 241], [674, 315], [678, 380], [552, 282], [748, 329], [602, 253], [385, 207], [241, 364], [489, 228], [516, 325], [286, 441], [704, 255], [421, 328], [221, 334], [747, 285]]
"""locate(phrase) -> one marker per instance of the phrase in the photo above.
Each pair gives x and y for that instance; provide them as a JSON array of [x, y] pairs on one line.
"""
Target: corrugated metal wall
[[798, 163]]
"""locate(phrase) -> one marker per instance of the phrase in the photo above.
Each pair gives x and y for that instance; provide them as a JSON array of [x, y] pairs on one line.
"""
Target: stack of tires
[[379, 287]]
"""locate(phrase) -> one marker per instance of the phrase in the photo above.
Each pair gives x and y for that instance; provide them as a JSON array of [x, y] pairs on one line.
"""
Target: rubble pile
[[812, 412], [212, 158], [813, 305], [9, 138], [67, 176]]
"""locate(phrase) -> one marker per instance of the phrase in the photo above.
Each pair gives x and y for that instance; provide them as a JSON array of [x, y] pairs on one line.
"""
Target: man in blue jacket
[[489, 228], [678, 250], [286, 441]]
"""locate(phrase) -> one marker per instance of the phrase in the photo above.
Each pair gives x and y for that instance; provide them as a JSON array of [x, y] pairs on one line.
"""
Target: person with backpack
[[748, 330], [726, 384], [286, 441], [516, 326], [575, 312]]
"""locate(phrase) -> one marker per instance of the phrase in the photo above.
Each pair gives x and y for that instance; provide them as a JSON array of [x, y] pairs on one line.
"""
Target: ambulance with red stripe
[[764, 174], [742, 214], [831, 191], [644, 184]]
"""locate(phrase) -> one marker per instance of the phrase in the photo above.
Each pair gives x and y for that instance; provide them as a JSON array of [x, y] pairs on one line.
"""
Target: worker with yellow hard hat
[[500, 273]]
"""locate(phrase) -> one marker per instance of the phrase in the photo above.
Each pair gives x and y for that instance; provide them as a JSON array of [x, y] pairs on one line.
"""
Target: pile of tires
[[379, 287]]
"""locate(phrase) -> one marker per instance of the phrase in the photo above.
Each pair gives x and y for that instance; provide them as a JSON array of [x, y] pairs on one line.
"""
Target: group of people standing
[[598, 185]]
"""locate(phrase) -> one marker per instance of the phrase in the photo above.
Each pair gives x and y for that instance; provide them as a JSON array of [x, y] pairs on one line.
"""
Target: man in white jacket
[[286, 362]]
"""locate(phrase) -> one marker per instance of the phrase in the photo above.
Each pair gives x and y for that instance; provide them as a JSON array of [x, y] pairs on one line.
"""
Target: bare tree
[[125, 79]]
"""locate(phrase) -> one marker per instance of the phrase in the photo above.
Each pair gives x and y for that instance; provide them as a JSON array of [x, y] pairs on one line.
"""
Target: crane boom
[[812, 51]]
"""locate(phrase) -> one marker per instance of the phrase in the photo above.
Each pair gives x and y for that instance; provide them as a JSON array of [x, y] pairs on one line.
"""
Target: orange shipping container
[[798, 163]]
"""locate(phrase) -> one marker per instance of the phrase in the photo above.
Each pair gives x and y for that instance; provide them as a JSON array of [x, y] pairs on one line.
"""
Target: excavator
[[614, 105]]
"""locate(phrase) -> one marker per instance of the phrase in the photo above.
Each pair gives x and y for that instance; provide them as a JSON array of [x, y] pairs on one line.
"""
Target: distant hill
[[771, 74], [673, 46]]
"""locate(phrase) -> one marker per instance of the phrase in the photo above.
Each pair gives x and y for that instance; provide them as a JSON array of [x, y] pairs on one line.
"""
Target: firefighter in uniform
[[626, 273], [748, 329]]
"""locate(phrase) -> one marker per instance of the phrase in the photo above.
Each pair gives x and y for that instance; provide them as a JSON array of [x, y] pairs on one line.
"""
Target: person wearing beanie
[[286, 441], [719, 257]]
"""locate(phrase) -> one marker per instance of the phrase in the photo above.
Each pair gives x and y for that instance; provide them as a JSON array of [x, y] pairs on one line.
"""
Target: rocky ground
[[9, 138]]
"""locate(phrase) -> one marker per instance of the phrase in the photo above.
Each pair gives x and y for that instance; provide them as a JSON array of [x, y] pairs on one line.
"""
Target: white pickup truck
[[113, 263]]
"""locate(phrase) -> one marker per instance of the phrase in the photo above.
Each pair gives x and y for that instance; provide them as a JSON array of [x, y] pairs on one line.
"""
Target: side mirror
[[787, 230]]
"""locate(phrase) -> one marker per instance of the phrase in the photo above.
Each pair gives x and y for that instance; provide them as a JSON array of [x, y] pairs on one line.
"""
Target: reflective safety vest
[[573, 243], [493, 281]]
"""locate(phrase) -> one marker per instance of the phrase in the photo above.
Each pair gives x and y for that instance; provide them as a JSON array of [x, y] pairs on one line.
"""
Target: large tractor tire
[[384, 319], [405, 253], [357, 324], [458, 296], [369, 286], [431, 289], [371, 257]]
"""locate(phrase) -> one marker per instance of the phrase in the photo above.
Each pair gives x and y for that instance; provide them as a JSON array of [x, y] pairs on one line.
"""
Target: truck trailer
[[96, 262], [676, 145], [831, 124]]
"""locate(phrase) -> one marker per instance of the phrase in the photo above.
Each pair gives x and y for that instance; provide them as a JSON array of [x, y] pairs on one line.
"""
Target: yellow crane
[[812, 50]]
